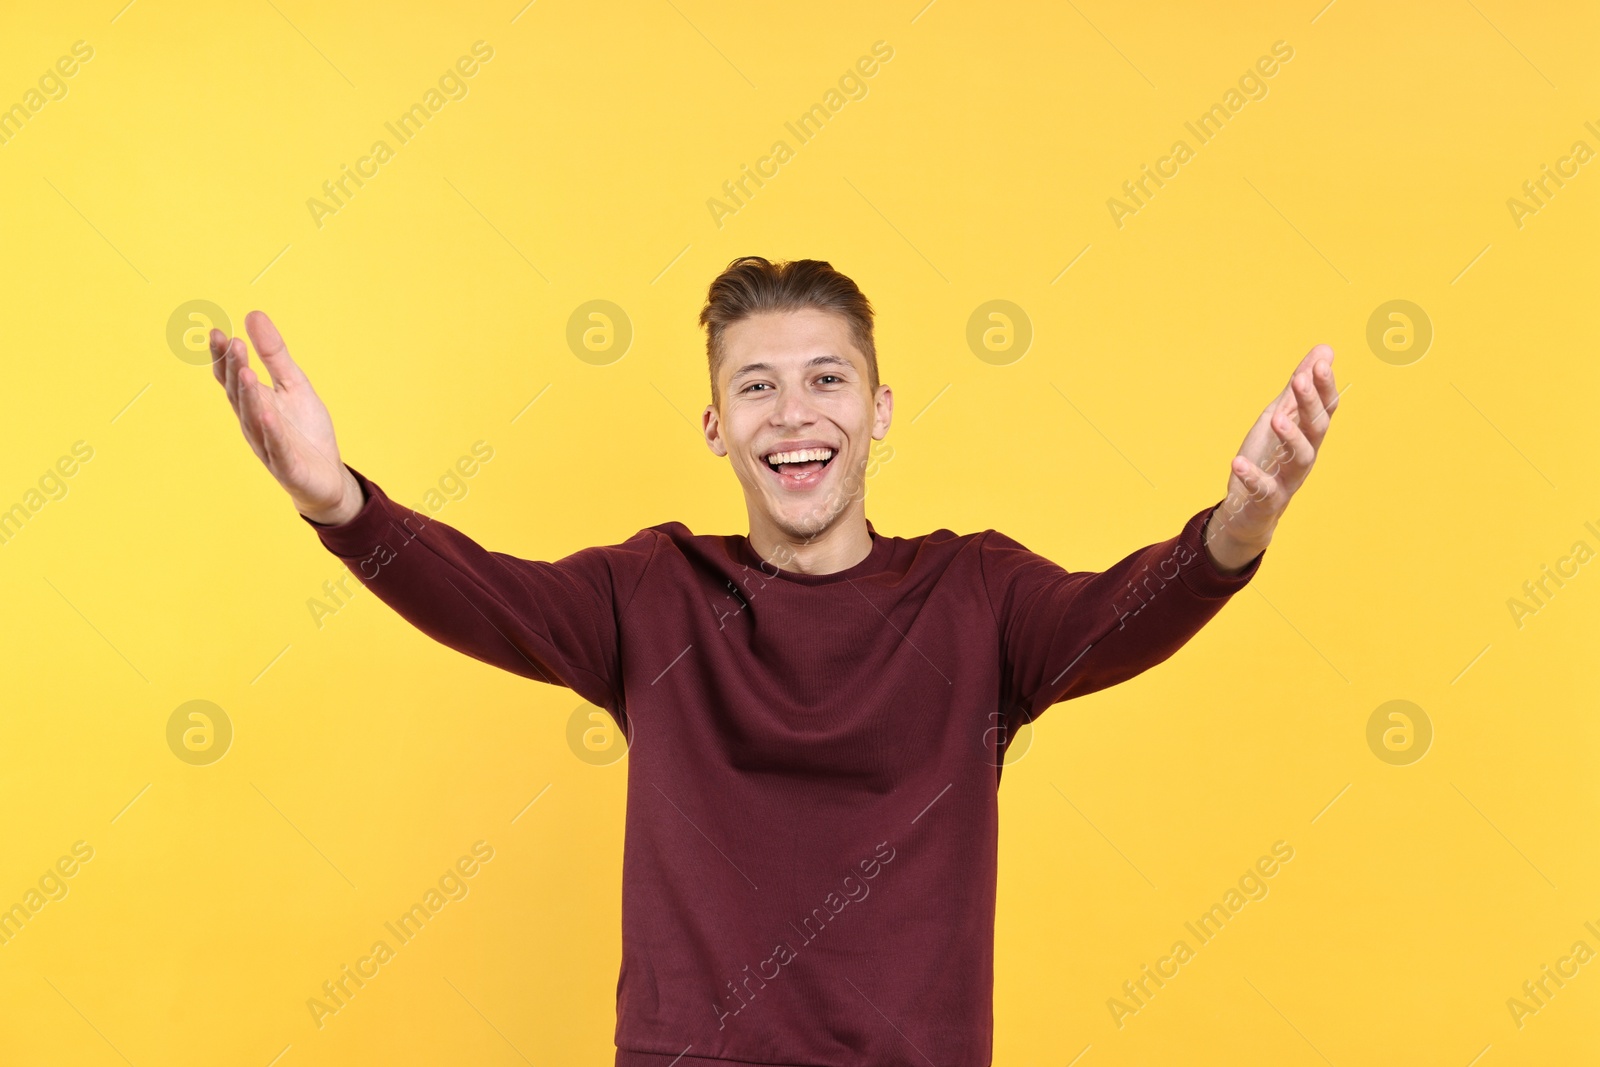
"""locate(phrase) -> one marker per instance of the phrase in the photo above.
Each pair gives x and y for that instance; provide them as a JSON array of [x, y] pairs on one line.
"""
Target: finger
[[1260, 485], [270, 424], [276, 431], [230, 372], [1312, 420], [1275, 450], [270, 430], [273, 352], [1327, 388], [1305, 366], [219, 349], [237, 362], [251, 416], [1293, 456], [1309, 360], [1286, 406]]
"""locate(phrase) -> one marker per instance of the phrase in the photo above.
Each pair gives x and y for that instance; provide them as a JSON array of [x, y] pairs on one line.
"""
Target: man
[[817, 713]]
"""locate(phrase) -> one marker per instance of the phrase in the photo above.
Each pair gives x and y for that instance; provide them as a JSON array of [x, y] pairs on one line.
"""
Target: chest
[[861, 680]]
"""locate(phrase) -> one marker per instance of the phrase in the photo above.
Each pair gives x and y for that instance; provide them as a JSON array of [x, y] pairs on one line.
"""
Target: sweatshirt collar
[[874, 561]]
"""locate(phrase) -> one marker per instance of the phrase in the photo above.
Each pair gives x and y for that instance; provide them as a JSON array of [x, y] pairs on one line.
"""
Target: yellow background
[[433, 307]]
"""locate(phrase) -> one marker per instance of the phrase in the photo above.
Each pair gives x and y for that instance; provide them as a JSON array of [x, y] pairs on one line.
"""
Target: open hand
[[1273, 462], [286, 423]]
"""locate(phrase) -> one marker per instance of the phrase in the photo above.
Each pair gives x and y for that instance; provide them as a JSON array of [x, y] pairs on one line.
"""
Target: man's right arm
[[555, 622]]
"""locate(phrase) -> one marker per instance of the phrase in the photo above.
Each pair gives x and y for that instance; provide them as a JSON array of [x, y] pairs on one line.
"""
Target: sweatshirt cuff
[[368, 528], [1201, 575]]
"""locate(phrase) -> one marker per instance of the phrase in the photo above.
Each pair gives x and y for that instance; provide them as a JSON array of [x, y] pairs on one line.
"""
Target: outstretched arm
[[1066, 634], [554, 622]]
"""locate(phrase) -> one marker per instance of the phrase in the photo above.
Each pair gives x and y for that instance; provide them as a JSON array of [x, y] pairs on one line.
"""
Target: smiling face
[[794, 388]]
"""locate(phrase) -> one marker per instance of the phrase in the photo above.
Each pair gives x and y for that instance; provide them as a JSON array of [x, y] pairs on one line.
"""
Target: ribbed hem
[[629, 1058]]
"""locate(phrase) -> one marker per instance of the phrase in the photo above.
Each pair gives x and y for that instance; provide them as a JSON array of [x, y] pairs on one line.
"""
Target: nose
[[794, 407]]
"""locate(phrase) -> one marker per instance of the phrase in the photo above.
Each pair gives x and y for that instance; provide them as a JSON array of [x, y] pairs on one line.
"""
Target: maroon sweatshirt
[[809, 859]]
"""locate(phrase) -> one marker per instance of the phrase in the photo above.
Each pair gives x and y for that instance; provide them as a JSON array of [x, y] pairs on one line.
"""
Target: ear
[[711, 426], [883, 412]]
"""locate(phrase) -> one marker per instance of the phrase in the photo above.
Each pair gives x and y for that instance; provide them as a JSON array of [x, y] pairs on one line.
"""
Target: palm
[[286, 423]]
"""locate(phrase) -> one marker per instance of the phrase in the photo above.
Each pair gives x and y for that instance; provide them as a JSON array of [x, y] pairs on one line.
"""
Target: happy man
[[817, 713]]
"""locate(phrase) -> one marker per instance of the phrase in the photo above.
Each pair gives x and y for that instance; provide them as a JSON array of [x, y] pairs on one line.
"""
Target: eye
[[751, 386], [835, 377]]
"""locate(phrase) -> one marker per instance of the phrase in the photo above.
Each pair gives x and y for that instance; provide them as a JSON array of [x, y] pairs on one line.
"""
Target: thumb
[[273, 352]]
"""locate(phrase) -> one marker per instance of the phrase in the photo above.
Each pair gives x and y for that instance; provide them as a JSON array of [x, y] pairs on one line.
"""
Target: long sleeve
[[1066, 634], [554, 622]]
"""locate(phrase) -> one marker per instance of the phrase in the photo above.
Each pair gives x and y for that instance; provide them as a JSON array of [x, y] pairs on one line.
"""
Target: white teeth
[[804, 455]]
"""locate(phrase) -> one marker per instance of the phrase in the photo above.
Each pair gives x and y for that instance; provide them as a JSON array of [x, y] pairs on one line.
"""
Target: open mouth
[[801, 468]]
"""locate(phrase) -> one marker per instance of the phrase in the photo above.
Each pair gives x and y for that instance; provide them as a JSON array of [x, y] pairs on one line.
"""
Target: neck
[[843, 544]]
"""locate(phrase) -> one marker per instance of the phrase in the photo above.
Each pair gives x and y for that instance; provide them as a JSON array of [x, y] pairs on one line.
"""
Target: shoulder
[[993, 546], [942, 551], [1007, 566], [943, 542], [675, 537], [671, 531], [673, 543]]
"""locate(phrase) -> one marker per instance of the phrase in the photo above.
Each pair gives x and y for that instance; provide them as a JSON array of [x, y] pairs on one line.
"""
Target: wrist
[[348, 507], [1229, 555]]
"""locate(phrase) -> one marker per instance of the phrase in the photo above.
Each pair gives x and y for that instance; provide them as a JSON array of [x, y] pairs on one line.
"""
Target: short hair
[[751, 285]]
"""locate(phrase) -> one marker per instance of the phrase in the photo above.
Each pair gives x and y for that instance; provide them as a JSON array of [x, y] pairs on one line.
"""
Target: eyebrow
[[814, 361]]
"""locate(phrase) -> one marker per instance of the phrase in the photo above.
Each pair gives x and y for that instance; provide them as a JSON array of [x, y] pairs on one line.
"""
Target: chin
[[802, 526]]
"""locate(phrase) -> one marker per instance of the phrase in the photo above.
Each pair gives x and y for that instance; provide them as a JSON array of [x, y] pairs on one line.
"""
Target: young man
[[817, 713]]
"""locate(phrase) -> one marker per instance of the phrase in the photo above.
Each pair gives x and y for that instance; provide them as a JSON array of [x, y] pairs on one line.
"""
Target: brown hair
[[752, 284]]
